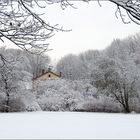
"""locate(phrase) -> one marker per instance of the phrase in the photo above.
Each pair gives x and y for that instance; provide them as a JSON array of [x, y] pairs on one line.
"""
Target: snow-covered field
[[62, 125]]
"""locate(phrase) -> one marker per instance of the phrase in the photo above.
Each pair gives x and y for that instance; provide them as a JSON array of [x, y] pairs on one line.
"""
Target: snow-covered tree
[[76, 67], [70, 67], [35, 63], [116, 80], [15, 84]]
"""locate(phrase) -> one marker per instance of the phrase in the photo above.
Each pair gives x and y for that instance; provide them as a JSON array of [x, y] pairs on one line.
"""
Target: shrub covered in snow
[[135, 105], [57, 95], [65, 95], [100, 105]]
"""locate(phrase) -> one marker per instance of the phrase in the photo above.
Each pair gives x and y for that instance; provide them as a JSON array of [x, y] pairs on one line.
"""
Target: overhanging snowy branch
[[23, 26], [132, 8]]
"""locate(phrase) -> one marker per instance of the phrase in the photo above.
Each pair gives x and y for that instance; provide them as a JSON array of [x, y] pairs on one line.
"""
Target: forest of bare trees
[[103, 81], [114, 72]]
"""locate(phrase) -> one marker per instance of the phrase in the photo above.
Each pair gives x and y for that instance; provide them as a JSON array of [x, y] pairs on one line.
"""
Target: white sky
[[93, 27]]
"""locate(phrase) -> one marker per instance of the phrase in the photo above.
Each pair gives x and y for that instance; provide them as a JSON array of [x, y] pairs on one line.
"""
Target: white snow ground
[[68, 125]]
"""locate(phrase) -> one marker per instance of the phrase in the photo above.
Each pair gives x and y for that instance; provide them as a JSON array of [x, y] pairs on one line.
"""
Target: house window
[[49, 75]]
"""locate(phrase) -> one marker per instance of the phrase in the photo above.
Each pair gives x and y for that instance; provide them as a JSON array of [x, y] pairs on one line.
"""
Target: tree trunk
[[7, 103], [7, 95], [127, 110], [126, 107]]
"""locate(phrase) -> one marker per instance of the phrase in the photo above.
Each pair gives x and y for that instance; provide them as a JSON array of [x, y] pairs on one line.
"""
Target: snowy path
[[69, 125]]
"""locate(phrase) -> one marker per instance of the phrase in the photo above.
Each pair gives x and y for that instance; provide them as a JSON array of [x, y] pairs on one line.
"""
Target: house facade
[[48, 76]]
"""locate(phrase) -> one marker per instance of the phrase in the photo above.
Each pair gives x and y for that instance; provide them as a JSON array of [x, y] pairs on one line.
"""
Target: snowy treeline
[[96, 81], [114, 72], [17, 68]]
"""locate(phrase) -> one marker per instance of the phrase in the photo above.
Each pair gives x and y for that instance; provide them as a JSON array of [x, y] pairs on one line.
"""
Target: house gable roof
[[45, 74]]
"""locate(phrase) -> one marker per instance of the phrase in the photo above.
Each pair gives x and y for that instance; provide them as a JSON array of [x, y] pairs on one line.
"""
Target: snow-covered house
[[48, 75]]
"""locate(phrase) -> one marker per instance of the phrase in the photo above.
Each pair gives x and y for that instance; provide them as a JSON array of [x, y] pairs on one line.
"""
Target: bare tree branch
[[22, 26], [132, 8], [25, 28]]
